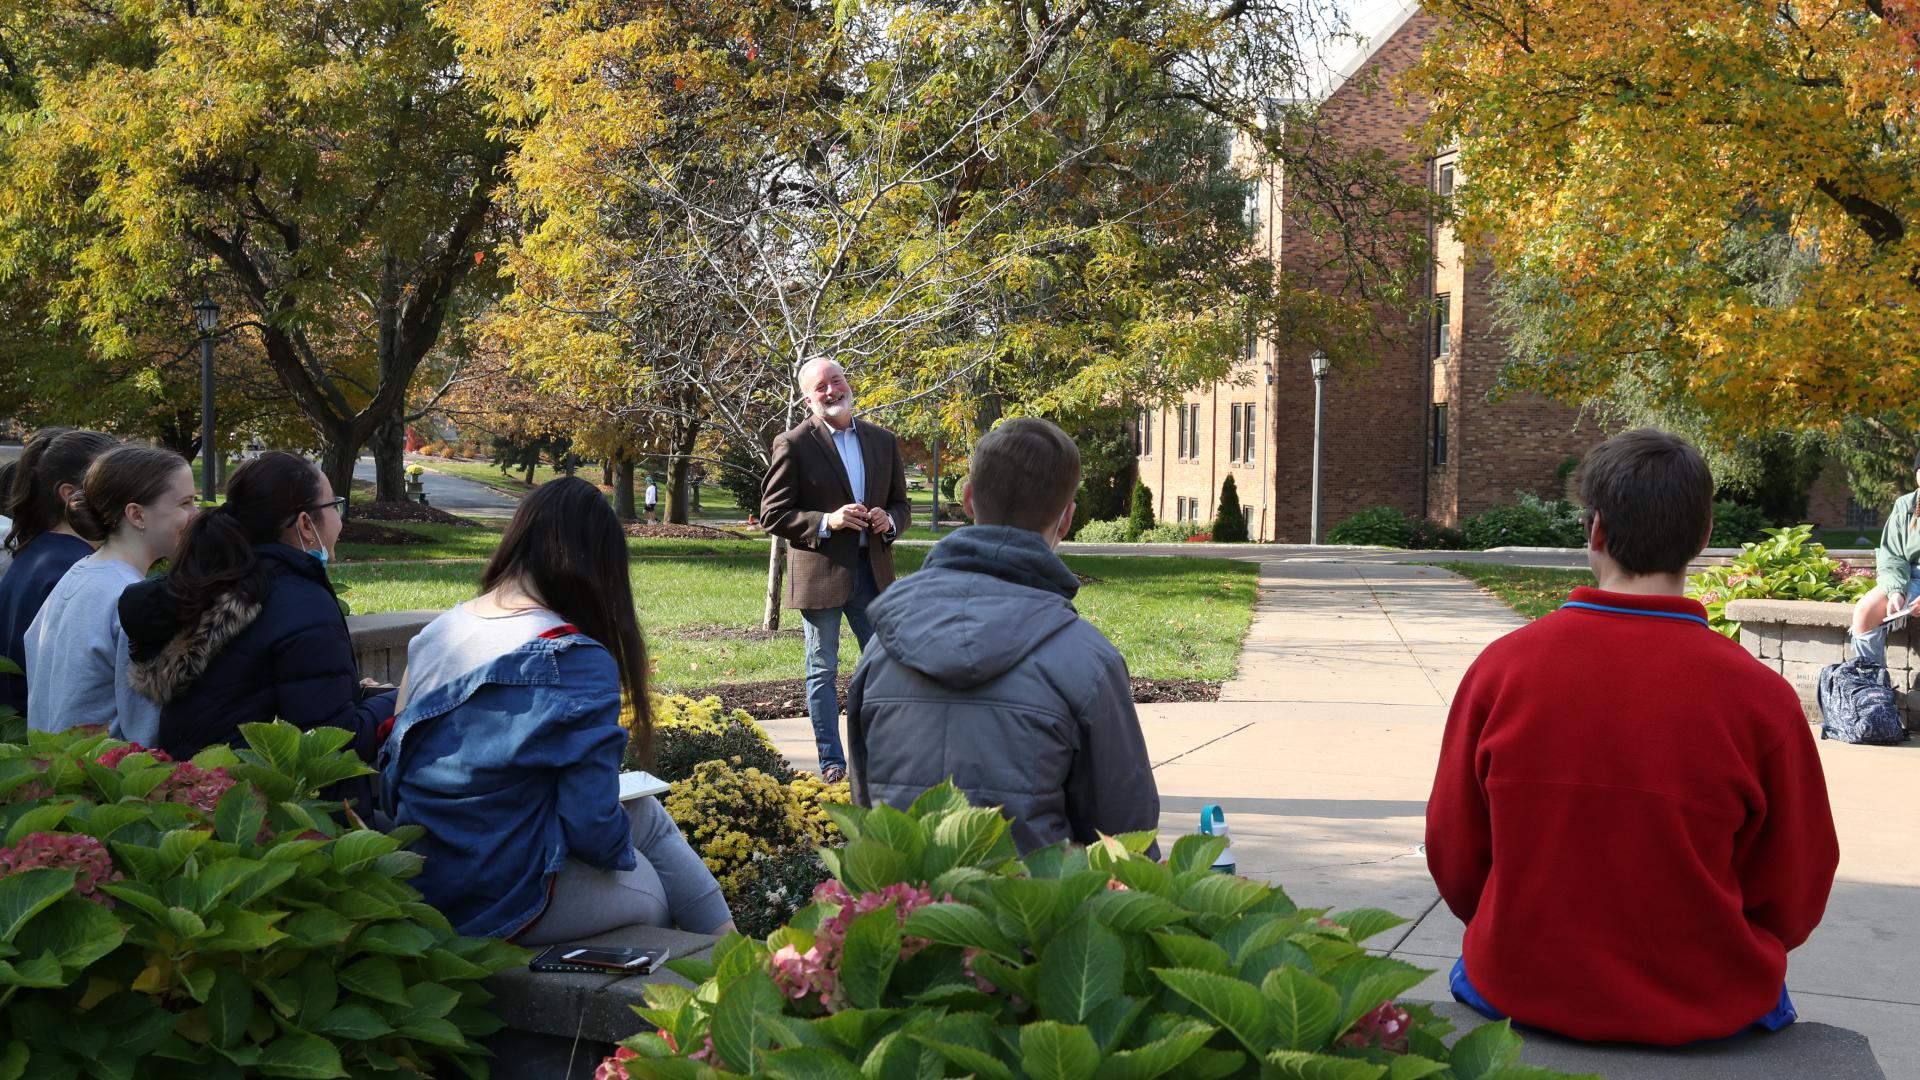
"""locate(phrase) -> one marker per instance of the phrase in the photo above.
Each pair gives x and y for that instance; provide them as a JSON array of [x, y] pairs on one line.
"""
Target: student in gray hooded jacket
[[135, 503], [980, 670]]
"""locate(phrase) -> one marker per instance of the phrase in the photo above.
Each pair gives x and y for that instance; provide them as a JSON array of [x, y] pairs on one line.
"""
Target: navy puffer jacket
[[287, 657]]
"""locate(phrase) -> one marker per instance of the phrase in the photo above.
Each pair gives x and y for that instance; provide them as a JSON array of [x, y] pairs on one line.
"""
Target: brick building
[[1413, 429]]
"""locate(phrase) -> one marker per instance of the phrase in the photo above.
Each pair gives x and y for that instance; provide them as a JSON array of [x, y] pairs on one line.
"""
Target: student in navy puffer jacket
[[245, 627]]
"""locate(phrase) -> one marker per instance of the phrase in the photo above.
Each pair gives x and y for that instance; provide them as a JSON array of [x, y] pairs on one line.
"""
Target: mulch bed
[[716, 632], [683, 532], [357, 531], [780, 699], [405, 511]]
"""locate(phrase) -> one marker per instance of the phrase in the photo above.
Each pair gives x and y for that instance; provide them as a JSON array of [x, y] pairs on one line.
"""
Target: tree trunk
[[606, 472], [390, 460], [776, 577], [679, 461], [623, 489], [336, 460]]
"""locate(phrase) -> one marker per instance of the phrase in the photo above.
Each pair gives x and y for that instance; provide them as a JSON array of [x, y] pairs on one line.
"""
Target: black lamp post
[[1320, 366], [206, 316]]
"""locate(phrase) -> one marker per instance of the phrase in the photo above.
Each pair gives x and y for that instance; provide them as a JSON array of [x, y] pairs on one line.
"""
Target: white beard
[[839, 410]]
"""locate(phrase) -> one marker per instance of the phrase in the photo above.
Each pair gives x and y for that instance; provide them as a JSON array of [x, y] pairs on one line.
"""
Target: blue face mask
[[319, 553]]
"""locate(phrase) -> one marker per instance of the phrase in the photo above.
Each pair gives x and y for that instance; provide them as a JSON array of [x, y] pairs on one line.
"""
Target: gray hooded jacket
[[981, 670]]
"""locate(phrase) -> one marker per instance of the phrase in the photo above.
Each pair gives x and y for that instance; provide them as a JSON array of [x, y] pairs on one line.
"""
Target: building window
[[1180, 450], [1143, 433], [1233, 435], [1250, 212], [1193, 431], [1446, 179], [1442, 324], [1862, 517], [1246, 436], [1439, 435]]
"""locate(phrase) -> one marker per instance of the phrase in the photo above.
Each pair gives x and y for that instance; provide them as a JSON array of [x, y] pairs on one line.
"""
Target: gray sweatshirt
[[77, 657]]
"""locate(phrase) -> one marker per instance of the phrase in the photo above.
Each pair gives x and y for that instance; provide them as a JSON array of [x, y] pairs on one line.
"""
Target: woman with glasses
[[245, 628]]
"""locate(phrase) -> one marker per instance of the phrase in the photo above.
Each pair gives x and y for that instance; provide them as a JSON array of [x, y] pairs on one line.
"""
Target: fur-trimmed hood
[[168, 657]]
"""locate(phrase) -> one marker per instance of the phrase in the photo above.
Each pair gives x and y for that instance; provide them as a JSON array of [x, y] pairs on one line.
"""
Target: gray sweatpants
[[669, 887]]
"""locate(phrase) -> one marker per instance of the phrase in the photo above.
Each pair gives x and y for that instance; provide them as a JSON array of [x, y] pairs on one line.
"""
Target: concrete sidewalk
[[1322, 753]]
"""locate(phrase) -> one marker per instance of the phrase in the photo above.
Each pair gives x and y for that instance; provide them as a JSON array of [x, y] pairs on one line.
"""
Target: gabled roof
[[1396, 14]]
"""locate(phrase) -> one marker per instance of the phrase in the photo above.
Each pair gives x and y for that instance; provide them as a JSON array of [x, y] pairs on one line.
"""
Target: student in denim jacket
[[508, 746]]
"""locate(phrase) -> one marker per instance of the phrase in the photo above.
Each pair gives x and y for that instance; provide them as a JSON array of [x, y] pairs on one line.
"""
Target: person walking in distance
[[836, 491]]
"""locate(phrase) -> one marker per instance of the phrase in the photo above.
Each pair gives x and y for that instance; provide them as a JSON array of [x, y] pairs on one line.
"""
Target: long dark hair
[[566, 547], [126, 474], [50, 459], [216, 556]]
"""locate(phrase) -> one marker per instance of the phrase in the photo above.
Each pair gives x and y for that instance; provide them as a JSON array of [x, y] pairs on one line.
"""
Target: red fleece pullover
[[1631, 819]]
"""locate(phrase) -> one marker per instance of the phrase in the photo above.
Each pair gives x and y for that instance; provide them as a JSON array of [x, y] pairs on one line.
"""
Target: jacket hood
[[987, 597], [167, 655]]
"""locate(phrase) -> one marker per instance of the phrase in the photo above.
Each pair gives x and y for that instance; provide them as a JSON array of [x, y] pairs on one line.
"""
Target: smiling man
[[837, 492]]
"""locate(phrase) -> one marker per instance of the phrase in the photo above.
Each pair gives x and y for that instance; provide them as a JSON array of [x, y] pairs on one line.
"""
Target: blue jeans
[[823, 661], [1782, 1013]]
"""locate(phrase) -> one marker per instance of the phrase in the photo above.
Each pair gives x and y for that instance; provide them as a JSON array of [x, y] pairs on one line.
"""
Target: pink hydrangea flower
[[612, 1069], [112, 758], [64, 851], [193, 786], [1386, 1027], [966, 961], [812, 973]]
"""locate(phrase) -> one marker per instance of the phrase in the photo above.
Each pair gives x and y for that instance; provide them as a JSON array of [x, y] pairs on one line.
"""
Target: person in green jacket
[[1893, 590]]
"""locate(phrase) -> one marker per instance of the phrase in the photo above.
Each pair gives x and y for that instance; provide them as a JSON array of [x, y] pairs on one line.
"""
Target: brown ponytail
[[126, 475], [216, 556], [52, 458]]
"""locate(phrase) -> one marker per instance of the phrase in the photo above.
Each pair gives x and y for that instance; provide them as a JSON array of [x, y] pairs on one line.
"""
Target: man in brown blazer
[[837, 492]]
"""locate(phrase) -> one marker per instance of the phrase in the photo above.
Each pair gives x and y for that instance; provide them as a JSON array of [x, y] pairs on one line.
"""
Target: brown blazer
[[806, 482]]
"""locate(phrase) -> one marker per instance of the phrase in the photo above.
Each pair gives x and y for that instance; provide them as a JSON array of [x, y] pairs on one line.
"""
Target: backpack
[[1857, 706]]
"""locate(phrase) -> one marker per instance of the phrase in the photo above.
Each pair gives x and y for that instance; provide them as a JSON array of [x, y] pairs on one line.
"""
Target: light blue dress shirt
[[848, 443]]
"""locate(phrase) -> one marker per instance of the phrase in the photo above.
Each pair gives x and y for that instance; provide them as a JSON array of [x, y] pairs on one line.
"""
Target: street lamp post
[[206, 315], [1320, 365]]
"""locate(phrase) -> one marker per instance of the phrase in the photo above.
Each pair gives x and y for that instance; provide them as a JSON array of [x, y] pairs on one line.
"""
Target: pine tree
[[1230, 521], [1140, 517]]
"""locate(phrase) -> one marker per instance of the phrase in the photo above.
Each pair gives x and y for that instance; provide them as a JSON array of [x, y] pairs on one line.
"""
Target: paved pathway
[[1322, 752], [453, 494]]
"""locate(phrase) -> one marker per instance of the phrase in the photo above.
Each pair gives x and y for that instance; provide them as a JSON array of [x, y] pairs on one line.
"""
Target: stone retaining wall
[[380, 642], [1799, 637]]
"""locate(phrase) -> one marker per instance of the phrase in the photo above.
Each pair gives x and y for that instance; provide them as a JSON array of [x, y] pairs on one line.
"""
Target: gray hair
[[800, 377]]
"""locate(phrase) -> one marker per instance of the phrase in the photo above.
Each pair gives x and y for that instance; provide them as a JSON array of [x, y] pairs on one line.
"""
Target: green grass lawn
[[1531, 591], [1171, 618]]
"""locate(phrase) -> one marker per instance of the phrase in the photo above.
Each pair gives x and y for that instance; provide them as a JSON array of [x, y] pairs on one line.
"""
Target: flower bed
[[1788, 565]]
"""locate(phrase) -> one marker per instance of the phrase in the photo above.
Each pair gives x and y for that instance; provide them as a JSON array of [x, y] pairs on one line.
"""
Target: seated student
[[1893, 562], [981, 670], [1629, 813], [508, 745], [244, 627], [136, 503], [6, 509], [42, 540]]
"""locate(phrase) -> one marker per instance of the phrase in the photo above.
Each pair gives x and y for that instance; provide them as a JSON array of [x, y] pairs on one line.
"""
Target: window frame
[[1441, 451], [1246, 434], [1442, 325]]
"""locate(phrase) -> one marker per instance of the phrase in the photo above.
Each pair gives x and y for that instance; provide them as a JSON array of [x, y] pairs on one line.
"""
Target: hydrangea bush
[[1788, 565], [935, 952], [211, 919]]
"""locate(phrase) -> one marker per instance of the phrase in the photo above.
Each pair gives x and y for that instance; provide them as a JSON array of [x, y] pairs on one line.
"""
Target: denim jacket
[[512, 768]]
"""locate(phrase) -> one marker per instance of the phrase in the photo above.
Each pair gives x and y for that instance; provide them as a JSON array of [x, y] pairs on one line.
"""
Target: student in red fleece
[[1629, 813]]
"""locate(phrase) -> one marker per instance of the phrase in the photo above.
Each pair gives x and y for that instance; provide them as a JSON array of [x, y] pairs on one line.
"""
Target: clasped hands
[[860, 517]]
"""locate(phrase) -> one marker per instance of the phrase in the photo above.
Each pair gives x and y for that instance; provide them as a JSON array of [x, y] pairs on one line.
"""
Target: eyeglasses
[[338, 502]]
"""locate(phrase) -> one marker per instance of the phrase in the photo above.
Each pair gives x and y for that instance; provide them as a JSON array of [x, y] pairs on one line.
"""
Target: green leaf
[[1195, 852], [1363, 923], [395, 939], [942, 798], [239, 930], [1111, 1022], [1144, 876], [1367, 981], [869, 865], [358, 848], [38, 972], [356, 1022], [39, 819], [1051, 1051], [1080, 969], [278, 743], [1159, 1057], [868, 954], [848, 818], [29, 892], [806, 1063], [377, 977], [1304, 1009], [976, 1061], [229, 1007], [694, 969], [739, 1028], [963, 925], [896, 830], [1300, 1065], [1188, 951], [299, 1055], [1222, 895], [221, 878], [1485, 1050], [75, 932], [178, 846], [13, 1062], [853, 1028], [1231, 1003], [969, 837], [1413, 1067], [1026, 907], [318, 927], [1135, 912]]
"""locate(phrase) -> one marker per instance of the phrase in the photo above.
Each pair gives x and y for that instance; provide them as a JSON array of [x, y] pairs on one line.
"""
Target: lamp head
[[206, 315], [1320, 363]]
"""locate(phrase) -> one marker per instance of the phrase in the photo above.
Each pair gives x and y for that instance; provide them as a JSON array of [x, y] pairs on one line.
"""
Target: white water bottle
[[1213, 822]]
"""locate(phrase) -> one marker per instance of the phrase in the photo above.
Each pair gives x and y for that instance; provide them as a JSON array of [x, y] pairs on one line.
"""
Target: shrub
[[1429, 535], [1172, 532], [1382, 526], [731, 813], [210, 918], [935, 952], [1735, 524], [774, 888], [1230, 521], [1140, 511], [1200, 538], [1530, 522], [687, 732], [1787, 565], [1103, 532]]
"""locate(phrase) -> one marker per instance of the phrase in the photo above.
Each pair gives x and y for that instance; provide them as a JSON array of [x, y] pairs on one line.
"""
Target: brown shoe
[[833, 774]]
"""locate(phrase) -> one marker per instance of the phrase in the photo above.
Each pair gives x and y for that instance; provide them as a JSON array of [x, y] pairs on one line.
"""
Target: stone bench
[[562, 1024], [1796, 1052], [380, 641], [1799, 637]]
